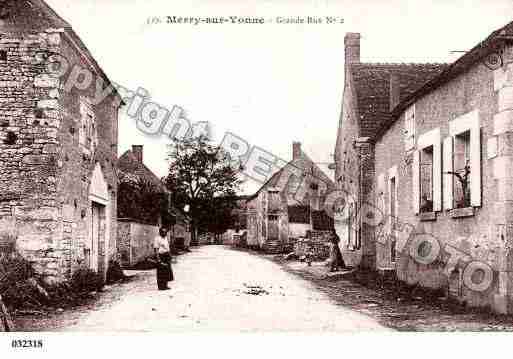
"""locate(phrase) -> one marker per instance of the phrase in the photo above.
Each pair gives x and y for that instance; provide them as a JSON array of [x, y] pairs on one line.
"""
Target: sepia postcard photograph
[[287, 173]]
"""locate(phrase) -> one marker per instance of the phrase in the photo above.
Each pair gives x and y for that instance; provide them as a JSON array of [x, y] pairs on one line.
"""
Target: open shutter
[[437, 175], [380, 195], [475, 165], [416, 184], [448, 149], [381, 186]]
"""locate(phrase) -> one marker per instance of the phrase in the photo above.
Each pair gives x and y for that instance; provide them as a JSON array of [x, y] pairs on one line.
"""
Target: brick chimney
[[296, 150], [395, 90], [352, 48], [137, 150]]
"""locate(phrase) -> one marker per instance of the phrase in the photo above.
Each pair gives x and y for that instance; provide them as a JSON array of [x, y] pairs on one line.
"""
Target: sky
[[271, 84]]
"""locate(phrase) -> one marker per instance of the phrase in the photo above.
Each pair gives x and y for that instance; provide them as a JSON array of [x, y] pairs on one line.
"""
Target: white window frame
[[428, 139], [467, 122], [409, 128]]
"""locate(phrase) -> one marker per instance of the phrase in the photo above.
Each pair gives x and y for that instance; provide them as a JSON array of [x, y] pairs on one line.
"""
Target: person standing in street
[[337, 261], [163, 255]]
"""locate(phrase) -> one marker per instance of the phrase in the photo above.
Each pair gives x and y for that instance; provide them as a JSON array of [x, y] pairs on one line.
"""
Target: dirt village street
[[217, 289], [220, 288]]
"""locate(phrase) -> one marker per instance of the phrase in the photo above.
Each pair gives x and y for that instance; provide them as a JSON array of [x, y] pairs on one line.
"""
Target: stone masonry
[[443, 103], [46, 174]]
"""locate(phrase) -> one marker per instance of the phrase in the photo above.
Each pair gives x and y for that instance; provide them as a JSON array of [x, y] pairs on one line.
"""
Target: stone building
[[440, 180], [365, 106], [283, 208], [58, 147]]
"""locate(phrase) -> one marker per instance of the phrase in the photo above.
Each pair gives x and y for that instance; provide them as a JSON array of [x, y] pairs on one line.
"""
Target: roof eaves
[[478, 52]]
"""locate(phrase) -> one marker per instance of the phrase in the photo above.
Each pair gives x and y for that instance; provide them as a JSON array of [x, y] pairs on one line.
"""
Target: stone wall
[[482, 235], [77, 163], [136, 241], [29, 143], [255, 220], [351, 164], [45, 178], [141, 238], [500, 153], [123, 242]]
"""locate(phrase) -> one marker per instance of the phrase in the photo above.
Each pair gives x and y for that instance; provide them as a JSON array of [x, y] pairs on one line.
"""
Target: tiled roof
[[477, 53], [321, 221], [371, 83], [128, 164], [299, 214], [306, 167]]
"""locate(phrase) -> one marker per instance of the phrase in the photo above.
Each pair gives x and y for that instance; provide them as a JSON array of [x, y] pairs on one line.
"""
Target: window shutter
[[448, 149], [475, 166], [380, 195], [381, 184], [409, 128], [437, 175], [416, 184]]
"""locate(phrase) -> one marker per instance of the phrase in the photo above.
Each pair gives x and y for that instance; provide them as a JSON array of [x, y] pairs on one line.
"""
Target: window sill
[[427, 216], [462, 212]]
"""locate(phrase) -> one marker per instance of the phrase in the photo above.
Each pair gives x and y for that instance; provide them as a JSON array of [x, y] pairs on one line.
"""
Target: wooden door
[[95, 237], [273, 228]]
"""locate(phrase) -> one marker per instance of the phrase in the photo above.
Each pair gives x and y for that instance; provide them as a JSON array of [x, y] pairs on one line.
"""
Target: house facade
[[365, 107], [441, 184], [58, 148], [282, 209]]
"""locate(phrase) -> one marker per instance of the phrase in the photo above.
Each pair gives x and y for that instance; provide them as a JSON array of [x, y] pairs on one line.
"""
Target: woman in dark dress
[[338, 260], [163, 255]]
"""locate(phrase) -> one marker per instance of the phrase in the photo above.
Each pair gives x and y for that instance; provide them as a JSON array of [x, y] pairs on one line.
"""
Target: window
[[3, 55], [409, 128], [462, 170], [393, 216], [88, 135], [350, 224], [427, 173], [358, 229], [380, 195], [11, 138], [293, 185], [462, 163], [426, 179], [392, 212]]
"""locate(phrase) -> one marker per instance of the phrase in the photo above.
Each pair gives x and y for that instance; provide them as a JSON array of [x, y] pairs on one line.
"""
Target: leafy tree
[[142, 200], [220, 217], [202, 181]]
